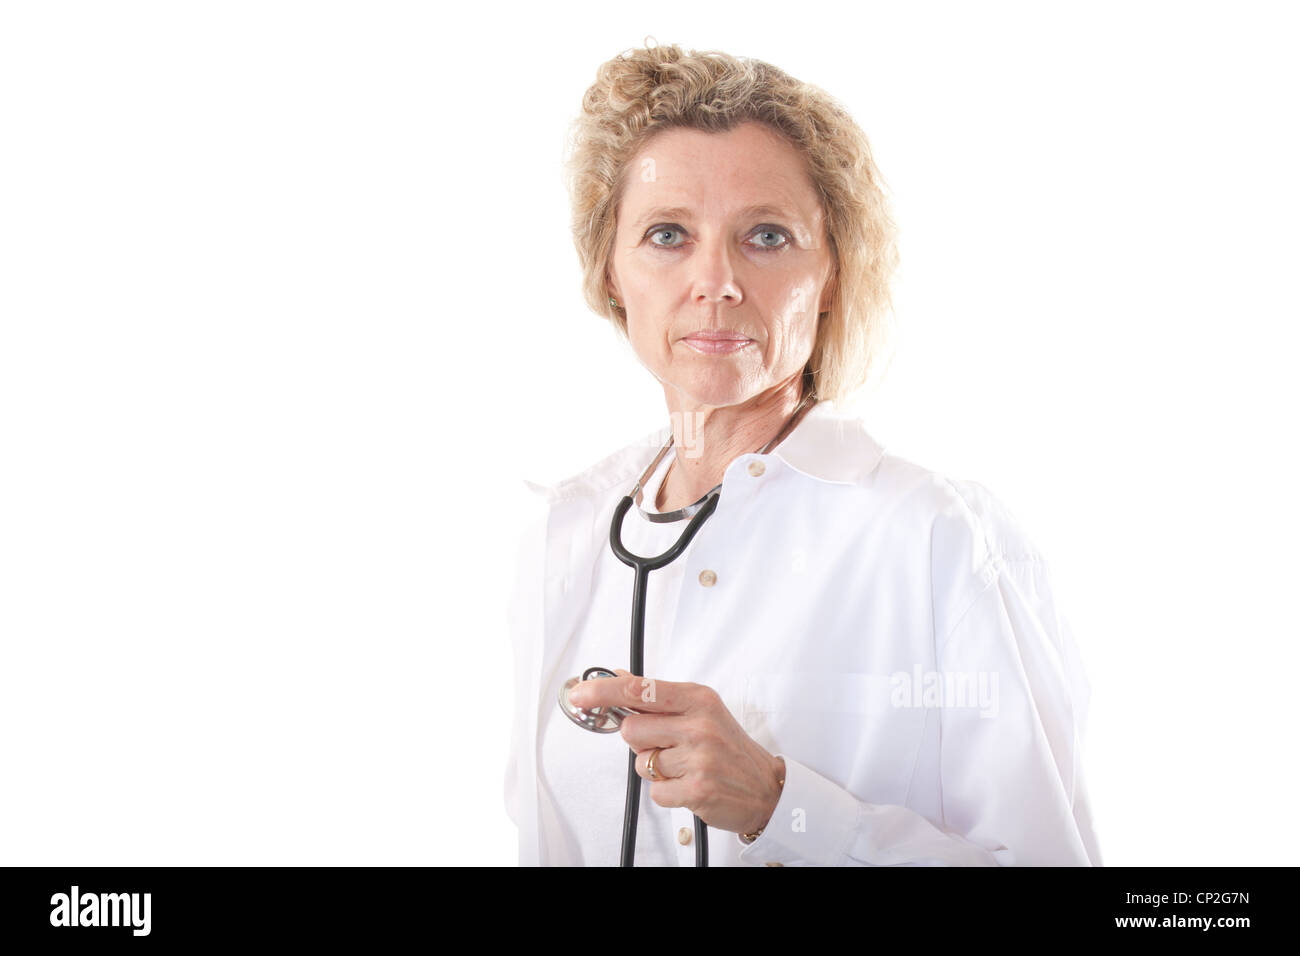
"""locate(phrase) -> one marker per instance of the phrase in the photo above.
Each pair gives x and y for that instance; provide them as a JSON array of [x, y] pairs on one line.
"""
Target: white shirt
[[887, 631]]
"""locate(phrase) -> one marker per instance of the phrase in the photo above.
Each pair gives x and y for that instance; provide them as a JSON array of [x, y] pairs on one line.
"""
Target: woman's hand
[[706, 762]]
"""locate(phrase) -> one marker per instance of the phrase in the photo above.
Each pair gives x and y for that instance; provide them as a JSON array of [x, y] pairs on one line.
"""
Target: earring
[[613, 302]]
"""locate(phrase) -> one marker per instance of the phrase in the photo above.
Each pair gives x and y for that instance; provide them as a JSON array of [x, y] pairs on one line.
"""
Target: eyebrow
[[660, 213]]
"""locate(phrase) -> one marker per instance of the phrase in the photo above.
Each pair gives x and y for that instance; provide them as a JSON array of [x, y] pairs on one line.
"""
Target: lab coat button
[[708, 578], [756, 468], [684, 836]]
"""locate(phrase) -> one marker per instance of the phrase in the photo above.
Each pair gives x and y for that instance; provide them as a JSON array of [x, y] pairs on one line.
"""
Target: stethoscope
[[608, 720]]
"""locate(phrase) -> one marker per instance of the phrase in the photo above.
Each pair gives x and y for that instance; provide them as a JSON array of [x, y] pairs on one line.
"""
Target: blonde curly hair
[[644, 91]]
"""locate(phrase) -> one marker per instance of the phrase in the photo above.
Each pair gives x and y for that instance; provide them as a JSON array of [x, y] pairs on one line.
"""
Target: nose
[[713, 276]]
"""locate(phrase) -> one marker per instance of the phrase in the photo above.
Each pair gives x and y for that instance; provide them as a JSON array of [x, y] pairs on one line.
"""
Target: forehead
[[717, 173]]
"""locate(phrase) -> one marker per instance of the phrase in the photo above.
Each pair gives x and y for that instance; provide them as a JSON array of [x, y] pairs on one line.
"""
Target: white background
[[289, 307]]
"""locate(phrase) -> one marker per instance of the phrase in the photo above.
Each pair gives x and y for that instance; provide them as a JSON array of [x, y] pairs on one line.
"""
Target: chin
[[717, 392]]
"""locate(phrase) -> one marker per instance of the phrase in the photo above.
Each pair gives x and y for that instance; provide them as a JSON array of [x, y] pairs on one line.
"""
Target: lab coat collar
[[829, 444]]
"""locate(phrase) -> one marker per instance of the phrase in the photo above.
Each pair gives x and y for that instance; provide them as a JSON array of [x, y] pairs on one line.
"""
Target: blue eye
[[659, 231], [780, 234]]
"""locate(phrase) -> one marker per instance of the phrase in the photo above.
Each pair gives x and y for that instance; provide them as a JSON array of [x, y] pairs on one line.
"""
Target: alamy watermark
[[101, 909], [949, 689], [685, 429]]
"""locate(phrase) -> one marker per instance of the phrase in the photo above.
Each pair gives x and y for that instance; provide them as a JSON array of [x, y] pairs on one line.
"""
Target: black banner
[[230, 905]]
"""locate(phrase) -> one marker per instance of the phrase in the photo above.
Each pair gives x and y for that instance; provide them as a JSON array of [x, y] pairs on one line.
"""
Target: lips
[[716, 341]]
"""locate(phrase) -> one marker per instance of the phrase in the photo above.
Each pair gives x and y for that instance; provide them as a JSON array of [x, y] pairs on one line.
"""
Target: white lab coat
[[890, 632]]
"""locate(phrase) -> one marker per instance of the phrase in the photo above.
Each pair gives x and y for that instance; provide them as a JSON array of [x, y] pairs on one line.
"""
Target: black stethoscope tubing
[[643, 567]]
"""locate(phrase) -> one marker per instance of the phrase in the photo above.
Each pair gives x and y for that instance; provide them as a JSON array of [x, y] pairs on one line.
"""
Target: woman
[[855, 660]]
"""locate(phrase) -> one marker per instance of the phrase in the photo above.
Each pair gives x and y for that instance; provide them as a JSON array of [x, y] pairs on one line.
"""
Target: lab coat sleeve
[[521, 623], [1012, 789]]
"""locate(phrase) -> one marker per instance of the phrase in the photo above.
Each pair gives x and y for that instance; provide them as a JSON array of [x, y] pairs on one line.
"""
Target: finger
[[647, 731], [671, 793], [644, 694], [599, 691], [664, 761]]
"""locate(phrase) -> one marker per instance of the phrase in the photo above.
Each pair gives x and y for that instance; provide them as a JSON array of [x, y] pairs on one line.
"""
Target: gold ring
[[650, 764]]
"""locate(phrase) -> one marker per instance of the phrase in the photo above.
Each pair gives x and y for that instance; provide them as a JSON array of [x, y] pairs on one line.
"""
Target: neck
[[708, 438]]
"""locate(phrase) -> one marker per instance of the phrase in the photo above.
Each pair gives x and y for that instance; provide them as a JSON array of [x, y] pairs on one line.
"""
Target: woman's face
[[721, 261]]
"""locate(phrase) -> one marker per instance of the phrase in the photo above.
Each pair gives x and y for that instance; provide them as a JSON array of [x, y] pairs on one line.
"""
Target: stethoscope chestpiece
[[599, 720]]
